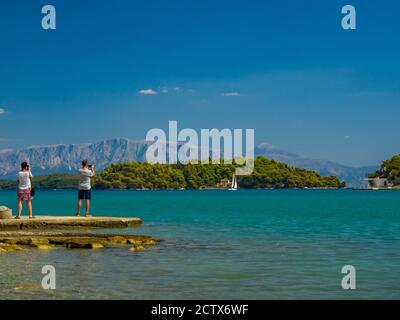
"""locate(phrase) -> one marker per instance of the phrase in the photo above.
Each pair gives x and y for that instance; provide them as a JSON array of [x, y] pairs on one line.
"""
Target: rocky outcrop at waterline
[[5, 213], [43, 233], [18, 240]]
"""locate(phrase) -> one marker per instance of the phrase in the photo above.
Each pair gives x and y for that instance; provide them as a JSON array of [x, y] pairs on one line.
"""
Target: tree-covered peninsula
[[267, 174]]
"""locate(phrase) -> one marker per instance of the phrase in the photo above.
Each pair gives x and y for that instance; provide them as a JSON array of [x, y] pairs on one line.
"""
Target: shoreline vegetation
[[267, 174], [387, 177], [390, 169]]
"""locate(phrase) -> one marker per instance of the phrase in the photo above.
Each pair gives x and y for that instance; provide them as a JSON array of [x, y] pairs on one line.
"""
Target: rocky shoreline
[[12, 241], [25, 233]]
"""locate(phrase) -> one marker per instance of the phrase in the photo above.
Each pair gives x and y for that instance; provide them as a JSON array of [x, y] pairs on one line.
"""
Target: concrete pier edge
[[68, 222]]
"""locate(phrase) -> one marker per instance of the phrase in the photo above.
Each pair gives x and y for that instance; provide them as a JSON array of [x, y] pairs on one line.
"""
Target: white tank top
[[24, 181]]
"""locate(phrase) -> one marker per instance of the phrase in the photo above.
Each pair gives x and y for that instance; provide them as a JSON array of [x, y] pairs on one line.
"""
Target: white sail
[[234, 183]]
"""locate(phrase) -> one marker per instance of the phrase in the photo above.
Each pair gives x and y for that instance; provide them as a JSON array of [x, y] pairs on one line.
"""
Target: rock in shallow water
[[5, 247], [136, 247], [44, 246]]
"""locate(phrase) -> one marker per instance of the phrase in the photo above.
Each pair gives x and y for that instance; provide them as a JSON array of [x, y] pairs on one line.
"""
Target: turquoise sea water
[[261, 244]]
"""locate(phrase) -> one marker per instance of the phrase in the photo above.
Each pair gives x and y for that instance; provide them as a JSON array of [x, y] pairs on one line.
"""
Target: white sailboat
[[234, 186]]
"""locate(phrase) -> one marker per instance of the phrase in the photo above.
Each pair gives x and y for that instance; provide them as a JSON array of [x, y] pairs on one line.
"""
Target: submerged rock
[[5, 247], [84, 244], [44, 246], [96, 245], [136, 247]]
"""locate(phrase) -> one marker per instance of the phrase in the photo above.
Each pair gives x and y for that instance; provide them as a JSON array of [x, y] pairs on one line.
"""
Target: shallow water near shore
[[258, 244]]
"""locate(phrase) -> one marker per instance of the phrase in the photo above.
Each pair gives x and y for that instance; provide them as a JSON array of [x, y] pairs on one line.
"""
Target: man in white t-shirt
[[84, 187], [24, 178]]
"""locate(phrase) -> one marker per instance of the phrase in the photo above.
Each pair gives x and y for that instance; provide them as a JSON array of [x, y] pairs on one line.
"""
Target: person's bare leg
[[87, 206], [19, 207], [78, 209], [29, 205]]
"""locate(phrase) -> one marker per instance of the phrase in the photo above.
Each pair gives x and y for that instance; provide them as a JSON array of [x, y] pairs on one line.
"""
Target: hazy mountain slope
[[66, 158]]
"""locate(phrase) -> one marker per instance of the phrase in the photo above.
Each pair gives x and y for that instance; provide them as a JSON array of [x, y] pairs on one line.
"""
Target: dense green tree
[[135, 175]]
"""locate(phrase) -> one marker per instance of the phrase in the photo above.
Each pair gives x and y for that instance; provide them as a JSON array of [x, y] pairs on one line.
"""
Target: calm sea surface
[[272, 244]]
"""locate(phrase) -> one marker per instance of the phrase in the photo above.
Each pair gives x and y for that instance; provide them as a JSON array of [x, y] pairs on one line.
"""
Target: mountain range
[[67, 157]]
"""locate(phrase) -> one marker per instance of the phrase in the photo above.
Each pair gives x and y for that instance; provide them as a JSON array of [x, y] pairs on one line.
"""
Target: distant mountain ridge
[[66, 158]]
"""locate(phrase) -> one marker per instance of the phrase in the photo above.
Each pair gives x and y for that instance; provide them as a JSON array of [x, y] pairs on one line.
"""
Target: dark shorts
[[84, 194]]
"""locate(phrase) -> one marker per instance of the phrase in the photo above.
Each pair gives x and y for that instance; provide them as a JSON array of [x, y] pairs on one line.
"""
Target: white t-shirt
[[24, 181], [84, 179]]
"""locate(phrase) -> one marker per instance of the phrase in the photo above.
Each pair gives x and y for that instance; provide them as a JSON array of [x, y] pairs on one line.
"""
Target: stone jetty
[[47, 222], [46, 232]]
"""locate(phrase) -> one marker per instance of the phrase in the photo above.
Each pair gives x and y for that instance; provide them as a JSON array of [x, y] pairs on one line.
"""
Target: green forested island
[[390, 169], [267, 174]]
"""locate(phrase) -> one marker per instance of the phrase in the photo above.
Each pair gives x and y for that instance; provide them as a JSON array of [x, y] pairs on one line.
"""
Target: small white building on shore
[[378, 183]]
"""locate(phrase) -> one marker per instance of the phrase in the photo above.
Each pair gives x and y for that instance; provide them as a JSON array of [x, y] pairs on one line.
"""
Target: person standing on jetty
[[24, 178], [84, 187]]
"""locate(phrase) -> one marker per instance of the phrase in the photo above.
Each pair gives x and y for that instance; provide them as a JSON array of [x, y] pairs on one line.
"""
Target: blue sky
[[293, 74]]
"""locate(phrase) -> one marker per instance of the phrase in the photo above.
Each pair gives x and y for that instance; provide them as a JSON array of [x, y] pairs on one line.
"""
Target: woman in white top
[[24, 178]]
